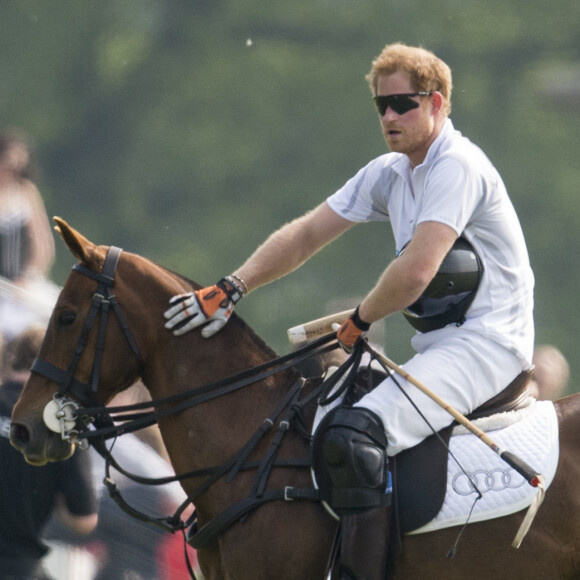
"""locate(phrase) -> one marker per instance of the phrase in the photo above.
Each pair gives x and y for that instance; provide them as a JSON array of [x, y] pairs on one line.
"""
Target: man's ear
[[436, 101]]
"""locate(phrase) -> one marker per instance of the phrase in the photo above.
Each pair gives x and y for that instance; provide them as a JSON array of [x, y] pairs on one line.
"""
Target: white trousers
[[464, 368]]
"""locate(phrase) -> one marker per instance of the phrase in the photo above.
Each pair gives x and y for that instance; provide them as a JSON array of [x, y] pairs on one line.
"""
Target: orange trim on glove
[[352, 329], [211, 300]]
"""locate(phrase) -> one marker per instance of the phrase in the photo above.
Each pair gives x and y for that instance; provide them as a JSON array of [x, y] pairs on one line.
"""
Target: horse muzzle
[[53, 438]]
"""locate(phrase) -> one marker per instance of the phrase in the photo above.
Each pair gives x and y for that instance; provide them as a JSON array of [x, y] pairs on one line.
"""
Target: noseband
[[60, 412]]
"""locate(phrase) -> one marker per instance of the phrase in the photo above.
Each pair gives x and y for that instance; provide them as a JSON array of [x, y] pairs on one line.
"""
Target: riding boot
[[364, 545], [351, 466]]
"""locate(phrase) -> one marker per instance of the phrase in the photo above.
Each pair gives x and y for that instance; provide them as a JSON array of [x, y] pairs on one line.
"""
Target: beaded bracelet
[[244, 286]]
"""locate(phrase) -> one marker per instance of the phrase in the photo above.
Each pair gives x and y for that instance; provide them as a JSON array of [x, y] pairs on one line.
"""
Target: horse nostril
[[19, 433]]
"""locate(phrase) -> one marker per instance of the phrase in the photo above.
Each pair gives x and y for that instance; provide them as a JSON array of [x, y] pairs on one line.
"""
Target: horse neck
[[210, 433]]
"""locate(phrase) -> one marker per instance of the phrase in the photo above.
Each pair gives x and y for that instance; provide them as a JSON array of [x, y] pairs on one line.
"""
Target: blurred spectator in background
[[26, 242], [28, 494], [129, 548], [551, 373]]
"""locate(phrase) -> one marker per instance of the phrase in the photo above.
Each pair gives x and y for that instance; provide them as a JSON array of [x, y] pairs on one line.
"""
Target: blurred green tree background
[[188, 130]]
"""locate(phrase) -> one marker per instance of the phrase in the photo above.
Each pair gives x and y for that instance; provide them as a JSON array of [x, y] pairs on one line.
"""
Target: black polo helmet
[[451, 291]]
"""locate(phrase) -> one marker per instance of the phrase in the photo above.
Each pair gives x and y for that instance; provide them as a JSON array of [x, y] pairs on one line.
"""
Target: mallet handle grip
[[316, 328]]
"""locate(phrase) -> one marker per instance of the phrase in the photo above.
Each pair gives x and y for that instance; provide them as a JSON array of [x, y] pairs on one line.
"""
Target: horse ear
[[80, 247]]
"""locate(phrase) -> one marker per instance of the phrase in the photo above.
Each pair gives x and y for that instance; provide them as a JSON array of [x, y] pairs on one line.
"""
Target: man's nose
[[389, 114]]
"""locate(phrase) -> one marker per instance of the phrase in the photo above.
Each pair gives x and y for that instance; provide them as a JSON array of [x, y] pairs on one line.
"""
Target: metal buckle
[[59, 416]]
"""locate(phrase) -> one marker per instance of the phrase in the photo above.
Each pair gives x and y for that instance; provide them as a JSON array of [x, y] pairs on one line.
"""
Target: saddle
[[419, 487], [514, 396], [420, 473]]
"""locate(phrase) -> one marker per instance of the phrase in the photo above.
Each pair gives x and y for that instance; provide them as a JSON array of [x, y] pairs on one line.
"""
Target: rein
[[259, 495], [287, 412], [199, 395]]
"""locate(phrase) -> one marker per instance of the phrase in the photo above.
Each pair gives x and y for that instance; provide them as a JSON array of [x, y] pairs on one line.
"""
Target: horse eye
[[67, 318]]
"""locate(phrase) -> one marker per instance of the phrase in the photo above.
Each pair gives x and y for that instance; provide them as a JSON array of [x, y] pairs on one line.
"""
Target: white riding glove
[[214, 304]]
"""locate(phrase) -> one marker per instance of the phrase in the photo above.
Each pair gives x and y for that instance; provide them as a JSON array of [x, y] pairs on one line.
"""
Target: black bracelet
[[358, 322]]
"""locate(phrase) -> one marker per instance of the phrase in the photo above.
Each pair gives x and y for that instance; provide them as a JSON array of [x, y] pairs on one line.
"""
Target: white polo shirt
[[458, 186]]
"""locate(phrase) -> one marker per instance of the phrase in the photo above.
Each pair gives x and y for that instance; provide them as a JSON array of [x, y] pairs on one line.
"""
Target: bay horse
[[284, 539]]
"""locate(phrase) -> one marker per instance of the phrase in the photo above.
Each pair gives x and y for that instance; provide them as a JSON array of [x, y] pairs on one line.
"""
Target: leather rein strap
[[102, 302]]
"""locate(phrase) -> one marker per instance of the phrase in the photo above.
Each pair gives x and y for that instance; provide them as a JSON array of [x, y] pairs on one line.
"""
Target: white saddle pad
[[531, 434]]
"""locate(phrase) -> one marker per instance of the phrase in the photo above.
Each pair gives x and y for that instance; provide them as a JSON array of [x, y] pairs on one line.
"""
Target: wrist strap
[[358, 322], [229, 286]]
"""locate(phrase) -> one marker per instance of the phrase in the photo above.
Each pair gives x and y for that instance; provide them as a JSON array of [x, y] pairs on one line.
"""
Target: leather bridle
[[103, 302], [74, 419]]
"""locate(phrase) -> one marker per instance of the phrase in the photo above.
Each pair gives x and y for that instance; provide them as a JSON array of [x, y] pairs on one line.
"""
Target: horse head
[[73, 368]]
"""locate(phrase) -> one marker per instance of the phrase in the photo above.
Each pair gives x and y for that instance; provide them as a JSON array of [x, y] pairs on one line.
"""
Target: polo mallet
[[317, 328], [322, 326]]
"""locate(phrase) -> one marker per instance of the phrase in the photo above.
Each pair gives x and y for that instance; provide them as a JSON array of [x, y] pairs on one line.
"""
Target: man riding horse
[[451, 215]]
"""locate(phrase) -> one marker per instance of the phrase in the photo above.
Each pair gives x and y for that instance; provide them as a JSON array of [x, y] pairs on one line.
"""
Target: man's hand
[[351, 330], [214, 304]]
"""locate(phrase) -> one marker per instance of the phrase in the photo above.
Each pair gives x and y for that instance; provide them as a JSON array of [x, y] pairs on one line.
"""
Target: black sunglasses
[[401, 103]]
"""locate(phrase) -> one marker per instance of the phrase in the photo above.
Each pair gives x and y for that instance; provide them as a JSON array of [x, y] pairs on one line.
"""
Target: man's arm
[[76, 504], [82, 525], [406, 277], [284, 251], [42, 251], [292, 245]]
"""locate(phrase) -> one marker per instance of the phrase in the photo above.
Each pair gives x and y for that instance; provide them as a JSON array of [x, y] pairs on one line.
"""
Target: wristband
[[358, 322], [231, 289], [243, 287]]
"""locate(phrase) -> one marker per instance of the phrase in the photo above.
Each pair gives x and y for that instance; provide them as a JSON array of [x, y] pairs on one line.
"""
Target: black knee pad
[[349, 459]]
